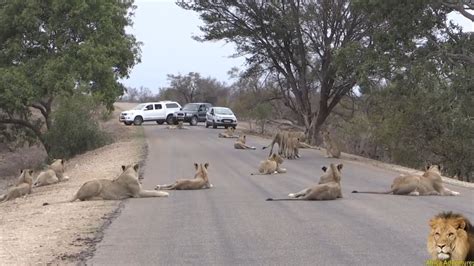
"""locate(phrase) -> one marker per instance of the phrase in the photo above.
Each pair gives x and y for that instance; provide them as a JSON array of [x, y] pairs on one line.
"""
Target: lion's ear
[[324, 168], [31, 172], [62, 161], [135, 167], [196, 166], [440, 167], [206, 165], [339, 166], [460, 223], [433, 222], [124, 167], [427, 166]]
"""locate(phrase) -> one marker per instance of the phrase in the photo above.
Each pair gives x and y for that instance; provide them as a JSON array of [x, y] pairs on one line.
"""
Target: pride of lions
[[451, 236]]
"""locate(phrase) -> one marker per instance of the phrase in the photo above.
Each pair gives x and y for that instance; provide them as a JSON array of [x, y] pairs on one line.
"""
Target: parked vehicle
[[192, 113], [221, 116], [157, 111]]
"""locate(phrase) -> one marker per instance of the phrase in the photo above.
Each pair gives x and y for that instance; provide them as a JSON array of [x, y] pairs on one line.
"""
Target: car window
[[223, 111], [171, 105], [191, 107], [212, 111], [149, 107], [158, 106]]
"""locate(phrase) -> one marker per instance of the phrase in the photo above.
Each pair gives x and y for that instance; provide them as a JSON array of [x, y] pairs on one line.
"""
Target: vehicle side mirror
[[181, 108]]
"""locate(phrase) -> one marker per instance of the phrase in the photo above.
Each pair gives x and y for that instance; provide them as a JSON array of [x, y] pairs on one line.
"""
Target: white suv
[[159, 111], [220, 116]]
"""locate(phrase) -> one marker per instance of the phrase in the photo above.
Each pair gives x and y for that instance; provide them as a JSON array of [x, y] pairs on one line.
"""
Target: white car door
[[160, 112], [148, 112]]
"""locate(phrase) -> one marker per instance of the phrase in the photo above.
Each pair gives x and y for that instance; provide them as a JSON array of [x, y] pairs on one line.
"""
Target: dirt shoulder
[[66, 232]]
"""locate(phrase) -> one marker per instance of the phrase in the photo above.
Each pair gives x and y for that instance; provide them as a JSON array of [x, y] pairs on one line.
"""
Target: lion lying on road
[[21, 188], [53, 174], [200, 180], [240, 144], [430, 183], [451, 238], [229, 133], [329, 187], [124, 186], [180, 125], [271, 166]]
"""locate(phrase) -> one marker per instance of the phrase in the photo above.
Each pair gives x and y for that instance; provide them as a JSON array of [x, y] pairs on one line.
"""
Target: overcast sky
[[166, 29]]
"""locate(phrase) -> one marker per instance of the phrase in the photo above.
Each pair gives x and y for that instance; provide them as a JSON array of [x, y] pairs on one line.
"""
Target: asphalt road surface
[[232, 224]]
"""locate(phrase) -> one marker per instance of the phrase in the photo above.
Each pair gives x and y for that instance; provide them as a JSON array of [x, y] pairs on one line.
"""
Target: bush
[[75, 128]]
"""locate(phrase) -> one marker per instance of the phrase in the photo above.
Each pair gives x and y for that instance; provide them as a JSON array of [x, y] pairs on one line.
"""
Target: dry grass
[[61, 233]]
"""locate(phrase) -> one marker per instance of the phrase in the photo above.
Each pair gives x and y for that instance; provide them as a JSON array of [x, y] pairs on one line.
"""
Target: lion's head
[[276, 158], [448, 238]]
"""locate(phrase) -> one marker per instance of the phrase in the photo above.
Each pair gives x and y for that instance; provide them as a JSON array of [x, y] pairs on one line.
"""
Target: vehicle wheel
[[169, 119], [194, 121], [207, 125], [214, 124], [138, 121], [127, 123], [160, 122]]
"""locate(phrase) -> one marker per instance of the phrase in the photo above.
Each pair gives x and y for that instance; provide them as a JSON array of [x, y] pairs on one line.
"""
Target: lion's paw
[[291, 195]]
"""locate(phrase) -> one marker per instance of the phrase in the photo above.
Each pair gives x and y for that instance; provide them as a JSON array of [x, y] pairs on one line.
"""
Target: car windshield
[[139, 107], [191, 107], [223, 111]]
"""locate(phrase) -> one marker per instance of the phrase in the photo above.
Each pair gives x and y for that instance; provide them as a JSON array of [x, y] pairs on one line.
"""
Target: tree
[[194, 88], [53, 48], [315, 50]]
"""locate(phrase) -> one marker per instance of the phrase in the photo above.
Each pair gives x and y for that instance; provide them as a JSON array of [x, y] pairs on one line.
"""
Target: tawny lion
[[271, 166], [451, 238], [329, 187], [229, 133], [200, 180], [428, 184], [240, 144], [21, 188], [53, 174], [126, 185]]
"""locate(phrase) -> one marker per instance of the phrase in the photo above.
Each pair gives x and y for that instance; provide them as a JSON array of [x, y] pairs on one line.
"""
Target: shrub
[[75, 128]]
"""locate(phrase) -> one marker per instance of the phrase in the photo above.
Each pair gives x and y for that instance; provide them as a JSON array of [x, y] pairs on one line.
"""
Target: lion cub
[[180, 125], [451, 238], [271, 166], [124, 186], [329, 187], [21, 188], [229, 133], [430, 183], [332, 148], [200, 180], [53, 174], [240, 144]]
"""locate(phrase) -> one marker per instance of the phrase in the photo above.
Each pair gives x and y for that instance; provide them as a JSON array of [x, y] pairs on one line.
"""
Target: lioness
[[329, 187], [271, 166], [200, 180], [21, 188], [124, 186], [53, 174], [291, 150], [451, 238], [281, 138], [229, 133], [180, 125], [430, 183], [332, 148], [240, 144]]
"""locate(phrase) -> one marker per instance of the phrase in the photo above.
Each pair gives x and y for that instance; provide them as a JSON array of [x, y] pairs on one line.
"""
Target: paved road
[[232, 224]]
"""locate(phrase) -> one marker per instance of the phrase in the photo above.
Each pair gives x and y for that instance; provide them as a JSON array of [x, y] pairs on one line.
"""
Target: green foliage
[[75, 128], [50, 48]]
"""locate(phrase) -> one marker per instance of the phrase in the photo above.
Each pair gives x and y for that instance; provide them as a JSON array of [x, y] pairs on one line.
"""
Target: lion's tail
[[64, 201], [373, 192], [271, 199]]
